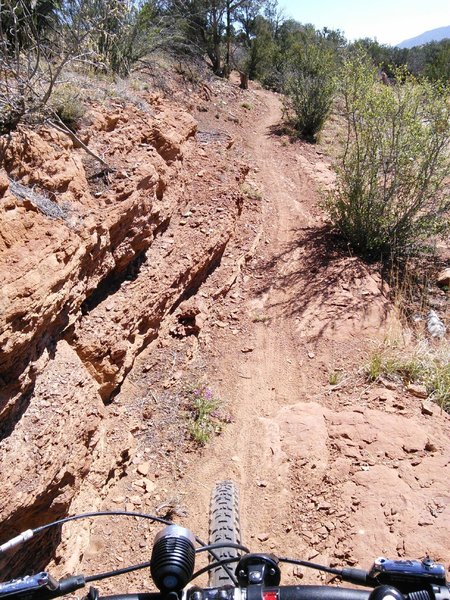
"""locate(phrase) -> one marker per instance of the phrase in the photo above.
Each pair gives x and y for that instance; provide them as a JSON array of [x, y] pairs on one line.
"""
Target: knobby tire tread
[[224, 526]]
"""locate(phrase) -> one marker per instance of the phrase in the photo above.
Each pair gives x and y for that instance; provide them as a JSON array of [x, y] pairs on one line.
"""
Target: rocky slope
[[91, 263]]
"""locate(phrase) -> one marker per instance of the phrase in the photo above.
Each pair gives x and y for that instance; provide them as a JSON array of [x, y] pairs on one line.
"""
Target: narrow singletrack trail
[[272, 375], [309, 310]]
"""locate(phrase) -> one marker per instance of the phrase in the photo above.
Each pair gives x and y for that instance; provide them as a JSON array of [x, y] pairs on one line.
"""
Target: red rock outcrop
[[86, 280]]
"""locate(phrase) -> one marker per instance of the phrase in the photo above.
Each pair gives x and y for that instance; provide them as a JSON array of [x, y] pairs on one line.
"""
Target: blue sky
[[389, 21]]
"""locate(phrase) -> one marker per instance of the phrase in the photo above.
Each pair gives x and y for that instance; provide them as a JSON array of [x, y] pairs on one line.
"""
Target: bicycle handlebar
[[257, 576], [285, 592]]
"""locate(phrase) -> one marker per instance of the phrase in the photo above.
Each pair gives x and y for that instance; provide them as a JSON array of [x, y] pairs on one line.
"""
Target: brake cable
[[29, 533]]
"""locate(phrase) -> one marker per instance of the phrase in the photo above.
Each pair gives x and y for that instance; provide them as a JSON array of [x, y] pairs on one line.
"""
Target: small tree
[[31, 60], [390, 197], [309, 88]]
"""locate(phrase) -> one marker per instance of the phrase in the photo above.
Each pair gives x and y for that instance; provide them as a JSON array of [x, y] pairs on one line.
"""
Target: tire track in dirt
[[306, 476], [261, 382]]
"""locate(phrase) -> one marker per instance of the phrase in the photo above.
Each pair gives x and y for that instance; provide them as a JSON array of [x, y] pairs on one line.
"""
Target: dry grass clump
[[426, 364]]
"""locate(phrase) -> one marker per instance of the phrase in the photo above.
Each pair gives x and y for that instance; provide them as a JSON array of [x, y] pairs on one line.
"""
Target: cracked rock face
[[83, 293], [50, 449]]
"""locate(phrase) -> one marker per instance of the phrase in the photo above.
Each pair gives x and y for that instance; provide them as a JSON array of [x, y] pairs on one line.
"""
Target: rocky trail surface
[[244, 291]]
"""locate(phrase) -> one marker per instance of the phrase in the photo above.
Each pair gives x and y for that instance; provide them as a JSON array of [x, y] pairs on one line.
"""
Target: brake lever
[[407, 574], [41, 586]]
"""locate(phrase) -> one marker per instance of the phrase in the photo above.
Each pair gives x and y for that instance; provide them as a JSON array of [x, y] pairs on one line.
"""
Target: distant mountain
[[434, 35]]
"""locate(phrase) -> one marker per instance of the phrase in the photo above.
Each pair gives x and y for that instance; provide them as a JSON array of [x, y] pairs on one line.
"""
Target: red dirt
[[336, 473]]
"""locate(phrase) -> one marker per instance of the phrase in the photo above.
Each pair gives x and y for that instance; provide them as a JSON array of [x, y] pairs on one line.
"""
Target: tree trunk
[[217, 62], [244, 80], [227, 69]]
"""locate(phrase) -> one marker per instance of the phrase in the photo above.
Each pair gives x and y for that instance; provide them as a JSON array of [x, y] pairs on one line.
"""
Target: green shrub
[[390, 195], [202, 405], [67, 104], [424, 364], [309, 90]]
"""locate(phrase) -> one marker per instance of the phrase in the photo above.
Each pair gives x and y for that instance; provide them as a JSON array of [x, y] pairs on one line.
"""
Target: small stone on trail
[[149, 486], [420, 391], [430, 447], [263, 537], [390, 385], [247, 349], [143, 468], [311, 355], [426, 521], [297, 572], [410, 448], [427, 407], [261, 483], [220, 324]]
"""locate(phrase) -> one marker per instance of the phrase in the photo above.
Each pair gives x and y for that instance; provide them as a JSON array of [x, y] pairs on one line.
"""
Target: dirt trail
[[271, 363], [260, 381], [336, 473], [309, 311]]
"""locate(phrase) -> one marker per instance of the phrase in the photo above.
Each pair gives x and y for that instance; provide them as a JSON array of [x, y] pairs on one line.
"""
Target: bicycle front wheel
[[224, 526]]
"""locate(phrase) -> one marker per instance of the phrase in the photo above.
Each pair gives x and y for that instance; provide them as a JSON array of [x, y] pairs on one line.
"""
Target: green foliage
[[383, 56], [437, 380], [309, 87], [390, 197], [201, 24], [118, 34], [255, 45], [392, 365], [67, 104], [430, 60], [334, 377], [437, 65], [202, 405], [31, 60], [21, 20]]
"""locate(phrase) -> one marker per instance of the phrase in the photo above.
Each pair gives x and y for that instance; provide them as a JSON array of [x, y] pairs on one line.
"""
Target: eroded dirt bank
[[92, 264], [204, 258]]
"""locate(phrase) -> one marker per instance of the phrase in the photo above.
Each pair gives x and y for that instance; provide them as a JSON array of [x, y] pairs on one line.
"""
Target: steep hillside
[[92, 264]]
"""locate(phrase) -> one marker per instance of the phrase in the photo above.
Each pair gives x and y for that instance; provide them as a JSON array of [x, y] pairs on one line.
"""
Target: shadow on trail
[[282, 130], [321, 284]]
